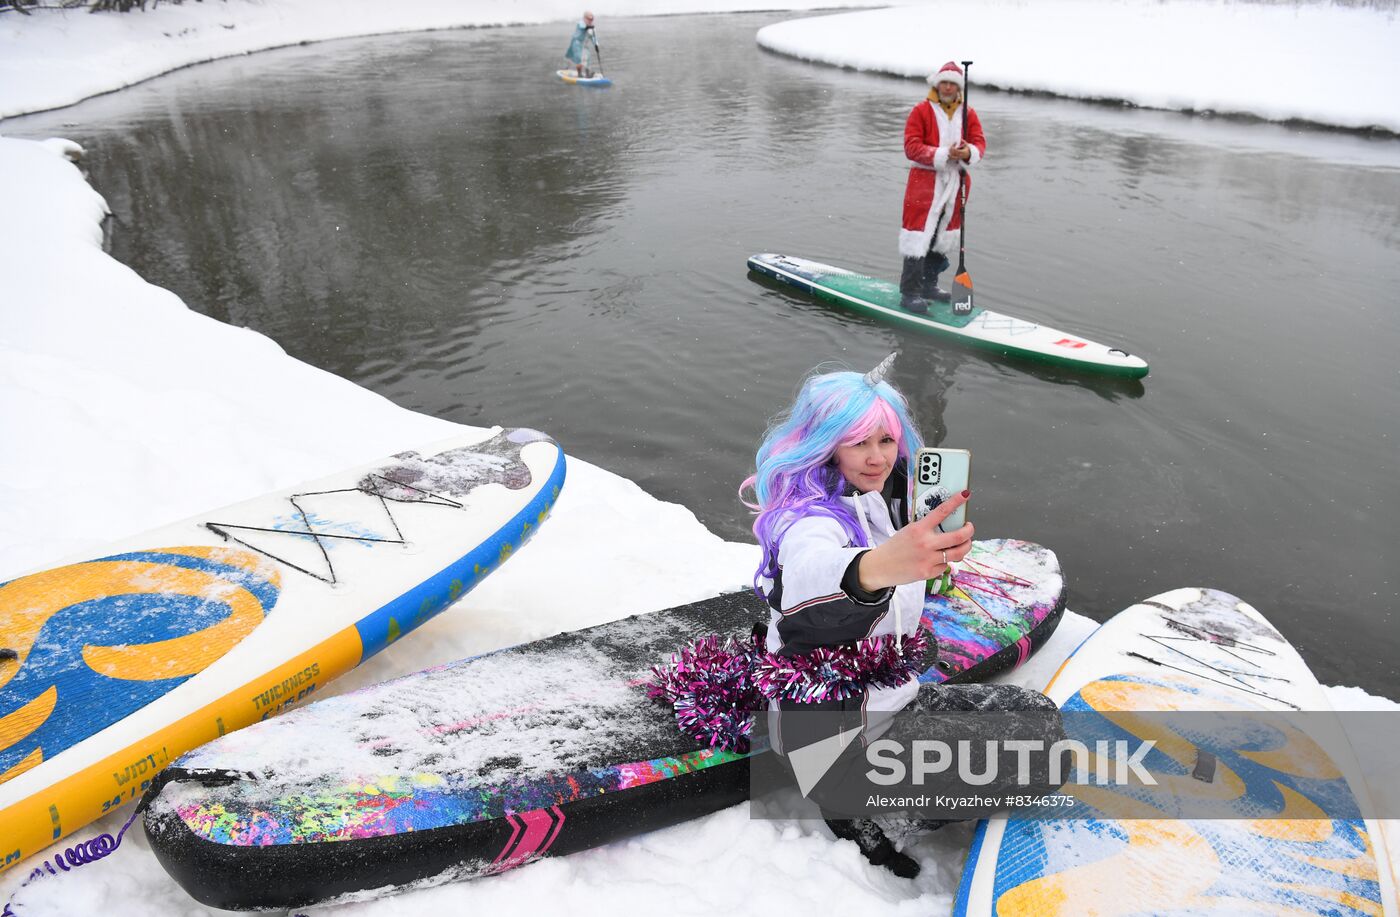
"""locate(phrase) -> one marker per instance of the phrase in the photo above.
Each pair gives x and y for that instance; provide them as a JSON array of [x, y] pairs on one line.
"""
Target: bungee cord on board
[[224, 529], [1223, 642]]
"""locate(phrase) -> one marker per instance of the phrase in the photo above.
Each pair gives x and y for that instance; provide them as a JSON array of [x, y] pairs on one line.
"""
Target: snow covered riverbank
[[1318, 62], [57, 57]]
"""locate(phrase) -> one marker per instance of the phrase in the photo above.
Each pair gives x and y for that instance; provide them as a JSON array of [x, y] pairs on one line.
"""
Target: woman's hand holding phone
[[919, 551]]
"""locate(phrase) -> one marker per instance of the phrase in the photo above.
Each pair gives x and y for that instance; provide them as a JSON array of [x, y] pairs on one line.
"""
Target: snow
[[124, 410], [1319, 61], [496, 697]]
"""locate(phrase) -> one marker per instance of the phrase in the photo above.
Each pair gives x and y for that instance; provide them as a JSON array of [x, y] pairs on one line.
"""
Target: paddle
[[962, 281], [596, 53]]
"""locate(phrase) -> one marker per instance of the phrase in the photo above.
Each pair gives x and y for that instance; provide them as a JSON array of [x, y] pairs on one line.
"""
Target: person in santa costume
[[940, 158]]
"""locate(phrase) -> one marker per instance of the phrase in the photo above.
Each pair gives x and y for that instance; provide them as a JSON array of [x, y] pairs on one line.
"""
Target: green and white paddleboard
[[981, 328]]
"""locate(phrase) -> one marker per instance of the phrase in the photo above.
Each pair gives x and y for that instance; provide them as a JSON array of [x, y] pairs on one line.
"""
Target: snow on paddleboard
[[1192, 650], [123, 661], [543, 749], [981, 328]]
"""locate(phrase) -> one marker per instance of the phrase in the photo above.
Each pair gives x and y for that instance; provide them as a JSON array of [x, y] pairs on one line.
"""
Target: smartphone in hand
[[939, 474]]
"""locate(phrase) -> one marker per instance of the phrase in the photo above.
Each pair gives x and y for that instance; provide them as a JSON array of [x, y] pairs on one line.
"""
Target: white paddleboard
[[126, 658], [1189, 650]]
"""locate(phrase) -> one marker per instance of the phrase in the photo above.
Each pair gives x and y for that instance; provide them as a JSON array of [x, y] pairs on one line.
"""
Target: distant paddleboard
[[981, 328], [1191, 650], [122, 660], [597, 79]]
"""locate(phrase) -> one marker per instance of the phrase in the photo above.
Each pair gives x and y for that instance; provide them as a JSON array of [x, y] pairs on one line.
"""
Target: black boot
[[935, 264], [901, 829], [875, 845], [910, 283]]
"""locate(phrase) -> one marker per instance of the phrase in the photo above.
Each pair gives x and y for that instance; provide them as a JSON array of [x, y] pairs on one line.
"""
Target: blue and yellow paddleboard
[[1288, 833], [597, 80], [117, 664]]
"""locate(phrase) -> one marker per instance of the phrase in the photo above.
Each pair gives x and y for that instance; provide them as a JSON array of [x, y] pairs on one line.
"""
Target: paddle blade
[[962, 293]]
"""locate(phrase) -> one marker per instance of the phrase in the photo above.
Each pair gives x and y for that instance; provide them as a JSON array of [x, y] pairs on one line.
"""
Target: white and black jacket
[[816, 600]]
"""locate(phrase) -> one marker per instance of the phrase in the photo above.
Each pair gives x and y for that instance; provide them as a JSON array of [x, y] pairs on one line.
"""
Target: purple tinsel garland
[[839, 672], [716, 684], [709, 685]]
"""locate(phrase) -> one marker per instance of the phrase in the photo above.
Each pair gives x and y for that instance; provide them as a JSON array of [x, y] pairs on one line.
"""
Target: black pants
[[920, 275]]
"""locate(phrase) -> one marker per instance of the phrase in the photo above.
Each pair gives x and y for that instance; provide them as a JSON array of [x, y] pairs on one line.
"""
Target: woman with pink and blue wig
[[845, 580]]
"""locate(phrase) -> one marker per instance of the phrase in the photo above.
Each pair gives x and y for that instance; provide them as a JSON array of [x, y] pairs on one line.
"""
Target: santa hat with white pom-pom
[[948, 73]]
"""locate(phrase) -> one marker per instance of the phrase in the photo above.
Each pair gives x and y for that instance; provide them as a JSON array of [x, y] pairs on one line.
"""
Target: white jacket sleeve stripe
[[817, 601]]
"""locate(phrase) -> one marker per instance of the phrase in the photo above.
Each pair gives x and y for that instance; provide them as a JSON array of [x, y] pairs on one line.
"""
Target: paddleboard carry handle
[[204, 776]]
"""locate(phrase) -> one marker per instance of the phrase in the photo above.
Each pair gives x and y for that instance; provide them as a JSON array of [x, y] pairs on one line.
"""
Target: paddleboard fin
[[1205, 766]]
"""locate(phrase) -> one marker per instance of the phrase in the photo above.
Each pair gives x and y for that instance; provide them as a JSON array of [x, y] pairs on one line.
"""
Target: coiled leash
[[104, 844], [78, 855]]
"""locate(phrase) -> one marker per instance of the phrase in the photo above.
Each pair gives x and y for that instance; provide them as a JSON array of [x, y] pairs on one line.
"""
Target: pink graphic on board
[[532, 834]]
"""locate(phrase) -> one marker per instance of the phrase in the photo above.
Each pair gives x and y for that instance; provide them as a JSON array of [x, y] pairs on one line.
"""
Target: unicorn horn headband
[[877, 375]]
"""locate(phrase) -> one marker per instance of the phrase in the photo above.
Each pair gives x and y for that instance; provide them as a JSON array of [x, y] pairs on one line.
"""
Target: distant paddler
[[577, 55]]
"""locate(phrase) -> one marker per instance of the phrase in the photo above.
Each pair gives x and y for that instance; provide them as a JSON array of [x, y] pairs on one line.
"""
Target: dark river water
[[439, 219]]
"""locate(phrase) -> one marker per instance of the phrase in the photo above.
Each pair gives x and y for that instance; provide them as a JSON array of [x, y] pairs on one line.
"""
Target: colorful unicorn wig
[[795, 476]]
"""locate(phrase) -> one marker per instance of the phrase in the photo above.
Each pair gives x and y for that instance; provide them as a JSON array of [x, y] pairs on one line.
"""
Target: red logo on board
[[1069, 342]]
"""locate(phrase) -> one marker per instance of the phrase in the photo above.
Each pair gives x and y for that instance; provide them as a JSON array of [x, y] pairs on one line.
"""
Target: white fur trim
[[940, 157], [976, 154], [915, 243], [943, 204], [947, 243], [912, 244], [949, 129]]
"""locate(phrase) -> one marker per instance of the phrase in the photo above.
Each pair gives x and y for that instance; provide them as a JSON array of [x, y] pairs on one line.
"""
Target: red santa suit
[[932, 191]]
